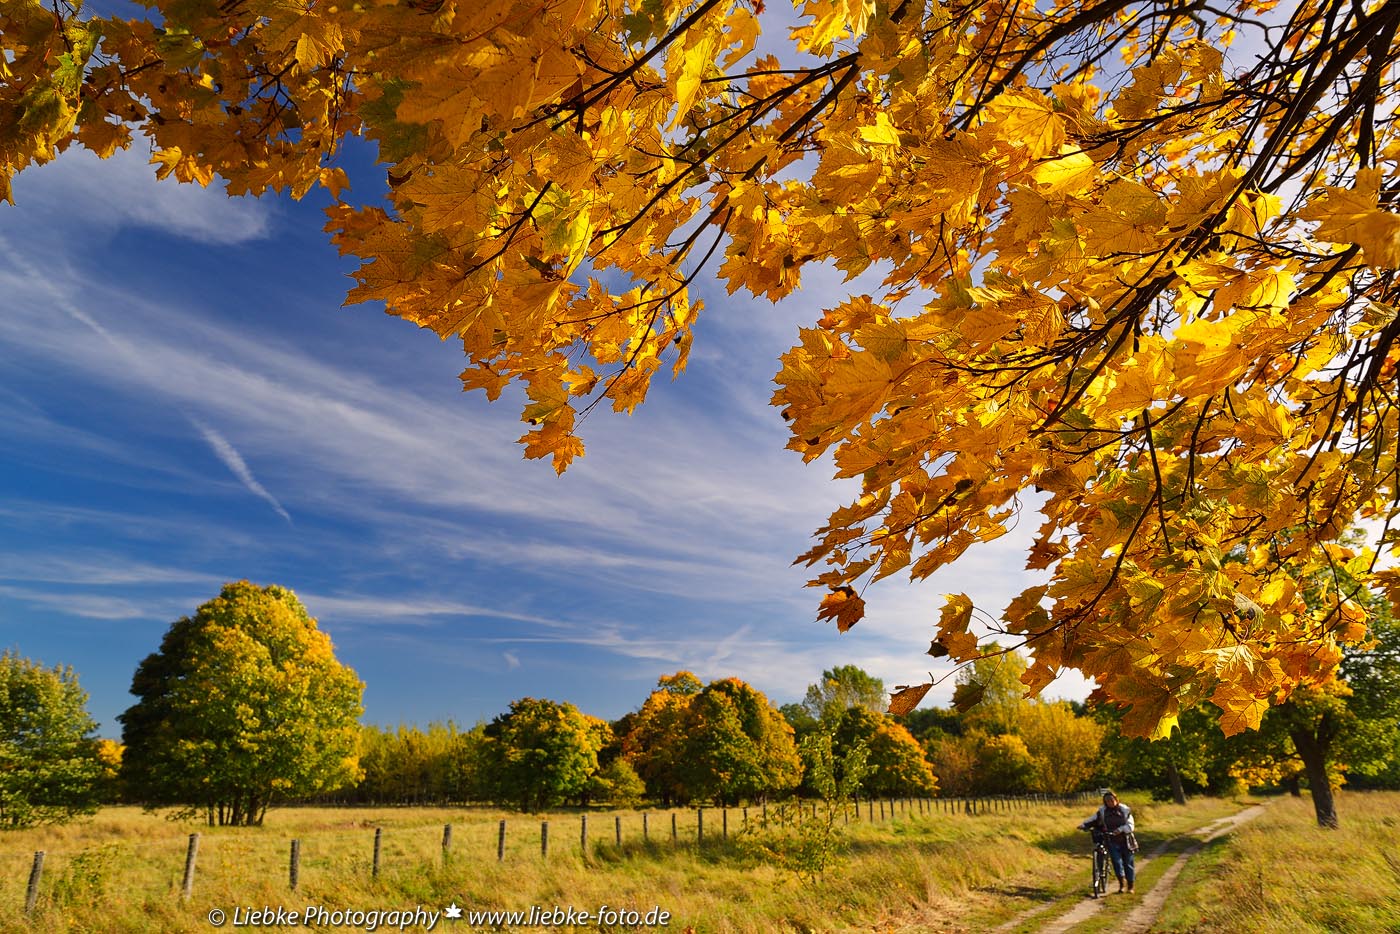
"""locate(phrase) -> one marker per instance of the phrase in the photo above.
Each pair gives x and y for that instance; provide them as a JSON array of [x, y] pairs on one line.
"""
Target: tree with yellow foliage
[[1136, 255], [243, 706], [1063, 746]]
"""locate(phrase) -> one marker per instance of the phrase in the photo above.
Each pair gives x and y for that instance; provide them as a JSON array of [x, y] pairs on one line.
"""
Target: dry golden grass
[[1344, 880], [121, 870]]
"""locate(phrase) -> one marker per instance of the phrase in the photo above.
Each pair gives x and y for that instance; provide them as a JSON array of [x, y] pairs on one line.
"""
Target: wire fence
[[175, 866]]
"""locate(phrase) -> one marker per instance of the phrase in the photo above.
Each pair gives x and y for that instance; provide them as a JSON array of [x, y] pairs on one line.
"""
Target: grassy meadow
[[1281, 873], [121, 870]]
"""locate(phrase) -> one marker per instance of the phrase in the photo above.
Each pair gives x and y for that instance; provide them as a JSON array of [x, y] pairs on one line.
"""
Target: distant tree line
[[244, 706]]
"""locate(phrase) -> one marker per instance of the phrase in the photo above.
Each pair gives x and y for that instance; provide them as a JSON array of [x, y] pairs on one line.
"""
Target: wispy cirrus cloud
[[360, 608], [122, 191], [352, 429], [91, 567], [227, 453], [87, 605]]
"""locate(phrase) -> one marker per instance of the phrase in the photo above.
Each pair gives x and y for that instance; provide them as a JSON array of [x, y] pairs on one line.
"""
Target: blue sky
[[185, 402]]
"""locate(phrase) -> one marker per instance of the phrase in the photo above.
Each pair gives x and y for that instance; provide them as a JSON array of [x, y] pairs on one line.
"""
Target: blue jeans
[[1121, 857]]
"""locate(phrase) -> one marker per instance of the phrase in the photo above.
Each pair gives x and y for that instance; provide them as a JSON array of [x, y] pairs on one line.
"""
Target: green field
[[922, 871]]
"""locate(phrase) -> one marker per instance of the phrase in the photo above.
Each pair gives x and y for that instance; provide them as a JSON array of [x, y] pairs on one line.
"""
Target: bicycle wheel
[[1100, 881]]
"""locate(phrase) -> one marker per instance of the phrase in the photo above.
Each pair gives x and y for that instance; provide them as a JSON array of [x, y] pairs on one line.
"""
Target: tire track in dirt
[[1141, 918]]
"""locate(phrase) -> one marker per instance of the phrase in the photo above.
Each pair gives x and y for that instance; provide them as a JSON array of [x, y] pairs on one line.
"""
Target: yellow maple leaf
[[1028, 118], [1071, 172], [957, 613], [831, 20], [1240, 708], [1352, 215], [906, 698], [882, 133], [843, 605], [553, 440], [686, 64], [1151, 713], [1037, 677], [1208, 355]]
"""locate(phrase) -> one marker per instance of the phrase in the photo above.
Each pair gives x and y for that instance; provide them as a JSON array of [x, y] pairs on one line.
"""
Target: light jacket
[[1098, 818]]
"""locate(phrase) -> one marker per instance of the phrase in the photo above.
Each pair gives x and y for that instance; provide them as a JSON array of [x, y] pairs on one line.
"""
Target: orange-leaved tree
[[1137, 255]]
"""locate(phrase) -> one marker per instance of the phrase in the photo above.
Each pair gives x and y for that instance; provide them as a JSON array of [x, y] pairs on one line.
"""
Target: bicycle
[[1099, 880]]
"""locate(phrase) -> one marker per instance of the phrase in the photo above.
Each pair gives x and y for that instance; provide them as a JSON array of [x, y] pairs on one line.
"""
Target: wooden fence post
[[31, 894], [646, 838], [724, 823], [501, 843], [294, 865], [617, 828], [583, 834], [378, 835], [699, 826], [446, 842], [544, 839], [673, 827], [187, 886]]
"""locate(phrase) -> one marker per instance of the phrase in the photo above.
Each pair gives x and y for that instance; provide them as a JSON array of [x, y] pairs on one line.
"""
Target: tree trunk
[[1313, 748], [1294, 786], [1174, 776]]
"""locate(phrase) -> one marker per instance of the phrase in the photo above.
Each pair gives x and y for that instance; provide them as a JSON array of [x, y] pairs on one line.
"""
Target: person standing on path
[[1115, 820]]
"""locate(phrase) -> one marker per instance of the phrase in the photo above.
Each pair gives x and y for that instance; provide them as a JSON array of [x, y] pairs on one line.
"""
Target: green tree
[[50, 769], [544, 752], [1004, 764], [983, 763], [842, 688], [895, 763], [800, 719], [1325, 729], [989, 690], [808, 847], [1191, 758], [616, 784], [736, 745], [244, 705], [1372, 748], [413, 766]]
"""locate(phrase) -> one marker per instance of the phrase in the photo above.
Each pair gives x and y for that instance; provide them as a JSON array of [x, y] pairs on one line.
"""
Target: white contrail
[[234, 461]]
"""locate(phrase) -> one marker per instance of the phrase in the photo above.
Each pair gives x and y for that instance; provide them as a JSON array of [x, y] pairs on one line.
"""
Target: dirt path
[[1140, 920]]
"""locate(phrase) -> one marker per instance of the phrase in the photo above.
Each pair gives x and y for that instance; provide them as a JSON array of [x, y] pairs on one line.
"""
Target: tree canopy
[[243, 704], [894, 763], [50, 768], [723, 742], [840, 689], [1136, 256], [544, 752]]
